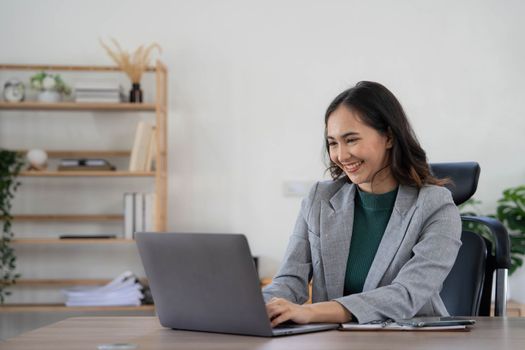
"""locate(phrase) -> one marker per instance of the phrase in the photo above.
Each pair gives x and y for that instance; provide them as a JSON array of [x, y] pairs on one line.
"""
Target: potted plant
[[510, 211], [10, 165], [51, 87], [134, 65]]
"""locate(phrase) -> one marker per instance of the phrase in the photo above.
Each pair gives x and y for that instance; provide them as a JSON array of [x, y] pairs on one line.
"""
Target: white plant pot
[[49, 96]]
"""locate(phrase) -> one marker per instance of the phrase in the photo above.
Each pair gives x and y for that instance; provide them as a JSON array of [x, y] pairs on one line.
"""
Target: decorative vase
[[49, 96], [135, 94]]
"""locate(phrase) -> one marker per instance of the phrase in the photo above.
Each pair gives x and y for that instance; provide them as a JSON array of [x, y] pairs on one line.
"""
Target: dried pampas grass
[[133, 64]]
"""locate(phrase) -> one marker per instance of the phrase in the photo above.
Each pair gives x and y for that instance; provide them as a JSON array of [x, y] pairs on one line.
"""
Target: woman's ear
[[389, 138]]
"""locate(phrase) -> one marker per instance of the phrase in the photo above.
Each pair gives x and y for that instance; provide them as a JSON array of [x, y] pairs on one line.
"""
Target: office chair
[[467, 290]]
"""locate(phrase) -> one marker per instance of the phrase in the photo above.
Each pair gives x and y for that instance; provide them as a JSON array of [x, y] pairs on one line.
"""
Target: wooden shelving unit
[[18, 308], [66, 68], [159, 176], [84, 153], [71, 241], [86, 173], [68, 218], [65, 282], [77, 106]]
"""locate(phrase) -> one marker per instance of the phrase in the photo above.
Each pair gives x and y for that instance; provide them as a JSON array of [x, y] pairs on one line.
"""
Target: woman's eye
[[351, 140], [332, 144]]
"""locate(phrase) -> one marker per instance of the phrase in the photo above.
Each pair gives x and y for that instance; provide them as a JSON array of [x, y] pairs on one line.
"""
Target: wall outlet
[[297, 188]]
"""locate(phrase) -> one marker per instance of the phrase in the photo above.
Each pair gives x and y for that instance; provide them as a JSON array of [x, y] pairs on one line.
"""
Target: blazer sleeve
[[422, 276], [292, 279]]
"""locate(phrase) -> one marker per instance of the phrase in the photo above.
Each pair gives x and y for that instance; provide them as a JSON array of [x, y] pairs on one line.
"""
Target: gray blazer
[[418, 249]]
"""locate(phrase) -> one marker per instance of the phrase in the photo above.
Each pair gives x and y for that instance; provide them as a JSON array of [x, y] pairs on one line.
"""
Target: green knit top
[[371, 215]]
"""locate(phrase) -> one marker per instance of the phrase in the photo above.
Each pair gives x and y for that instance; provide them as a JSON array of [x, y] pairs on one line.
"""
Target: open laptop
[[208, 282]]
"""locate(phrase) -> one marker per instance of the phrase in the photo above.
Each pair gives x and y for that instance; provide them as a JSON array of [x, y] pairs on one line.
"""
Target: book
[[99, 91], [152, 152], [150, 200], [82, 164], [87, 236], [141, 145], [99, 99], [97, 85], [138, 213], [129, 215], [86, 168]]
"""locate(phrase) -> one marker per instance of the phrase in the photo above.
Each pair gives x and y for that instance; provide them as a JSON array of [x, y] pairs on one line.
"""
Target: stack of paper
[[99, 91], [124, 290]]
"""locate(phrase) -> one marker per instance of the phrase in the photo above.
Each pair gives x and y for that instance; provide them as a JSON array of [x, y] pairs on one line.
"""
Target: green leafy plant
[[51, 82], [510, 211], [10, 165]]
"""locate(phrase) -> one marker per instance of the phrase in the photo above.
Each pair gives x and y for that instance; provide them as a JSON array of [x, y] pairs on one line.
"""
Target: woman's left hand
[[281, 310]]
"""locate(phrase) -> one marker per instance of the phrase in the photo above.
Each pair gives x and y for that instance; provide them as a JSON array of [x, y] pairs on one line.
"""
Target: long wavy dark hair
[[378, 108]]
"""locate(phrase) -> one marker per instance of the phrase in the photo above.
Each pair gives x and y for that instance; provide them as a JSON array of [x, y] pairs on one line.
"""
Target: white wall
[[250, 80]]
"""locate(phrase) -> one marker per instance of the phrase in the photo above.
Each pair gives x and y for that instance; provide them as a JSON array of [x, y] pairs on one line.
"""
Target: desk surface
[[88, 332]]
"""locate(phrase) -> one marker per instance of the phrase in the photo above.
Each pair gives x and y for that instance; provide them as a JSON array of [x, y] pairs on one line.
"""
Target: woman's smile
[[352, 167]]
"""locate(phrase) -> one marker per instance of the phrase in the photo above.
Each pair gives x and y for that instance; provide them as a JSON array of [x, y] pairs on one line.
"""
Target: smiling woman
[[360, 151], [378, 240]]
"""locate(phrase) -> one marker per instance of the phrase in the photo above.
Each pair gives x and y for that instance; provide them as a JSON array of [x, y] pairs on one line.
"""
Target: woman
[[379, 239]]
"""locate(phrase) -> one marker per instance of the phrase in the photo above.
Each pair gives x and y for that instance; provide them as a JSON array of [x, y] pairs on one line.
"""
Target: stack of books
[[99, 92], [124, 290], [82, 164], [139, 213]]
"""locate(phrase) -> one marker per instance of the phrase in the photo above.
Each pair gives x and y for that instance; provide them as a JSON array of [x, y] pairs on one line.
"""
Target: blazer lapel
[[394, 234], [336, 222]]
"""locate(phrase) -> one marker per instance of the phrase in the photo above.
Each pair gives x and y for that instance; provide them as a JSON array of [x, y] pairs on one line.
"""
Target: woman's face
[[360, 151]]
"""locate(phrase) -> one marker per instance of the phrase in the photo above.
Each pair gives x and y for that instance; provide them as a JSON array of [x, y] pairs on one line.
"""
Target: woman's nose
[[343, 155]]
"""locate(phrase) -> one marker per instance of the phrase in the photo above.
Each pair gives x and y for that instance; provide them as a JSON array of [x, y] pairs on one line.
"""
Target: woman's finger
[[281, 318], [273, 312]]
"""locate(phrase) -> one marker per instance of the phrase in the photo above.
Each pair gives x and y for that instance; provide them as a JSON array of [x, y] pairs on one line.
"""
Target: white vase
[[49, 96]]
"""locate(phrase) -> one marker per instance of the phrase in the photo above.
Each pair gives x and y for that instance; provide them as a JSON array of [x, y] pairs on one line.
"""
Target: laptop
[[208, 282]]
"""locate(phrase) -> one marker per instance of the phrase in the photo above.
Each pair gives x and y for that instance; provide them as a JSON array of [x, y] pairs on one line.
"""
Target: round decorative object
[[37, 159], [49, 96], [14, 91]]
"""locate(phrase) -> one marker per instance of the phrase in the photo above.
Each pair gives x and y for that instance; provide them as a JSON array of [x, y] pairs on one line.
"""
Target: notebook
[[208, 282]]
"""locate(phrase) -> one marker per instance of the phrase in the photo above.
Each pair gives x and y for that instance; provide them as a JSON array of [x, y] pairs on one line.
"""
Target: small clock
[[14, 91]]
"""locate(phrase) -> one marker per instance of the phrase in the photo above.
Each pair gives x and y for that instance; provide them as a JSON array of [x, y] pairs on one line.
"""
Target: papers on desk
[[392, 326], [124, 290]]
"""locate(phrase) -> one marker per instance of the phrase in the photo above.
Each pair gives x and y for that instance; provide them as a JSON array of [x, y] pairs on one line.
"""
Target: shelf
[[63, 308], [60, 282], [68, 111], [72, 241], [58, 67], [87, 173], [68, 218], [83, 153], [77, 106]]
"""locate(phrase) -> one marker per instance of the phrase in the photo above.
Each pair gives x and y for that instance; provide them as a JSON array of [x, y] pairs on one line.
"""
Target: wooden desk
[[514, 309], [88, 332]]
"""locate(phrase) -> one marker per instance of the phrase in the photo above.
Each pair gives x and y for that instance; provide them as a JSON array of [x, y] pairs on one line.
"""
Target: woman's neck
[[381, 183]]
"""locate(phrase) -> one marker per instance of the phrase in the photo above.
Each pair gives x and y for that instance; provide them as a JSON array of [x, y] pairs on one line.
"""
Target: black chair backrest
[[464, 176], [468, 273], [467, 289]]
